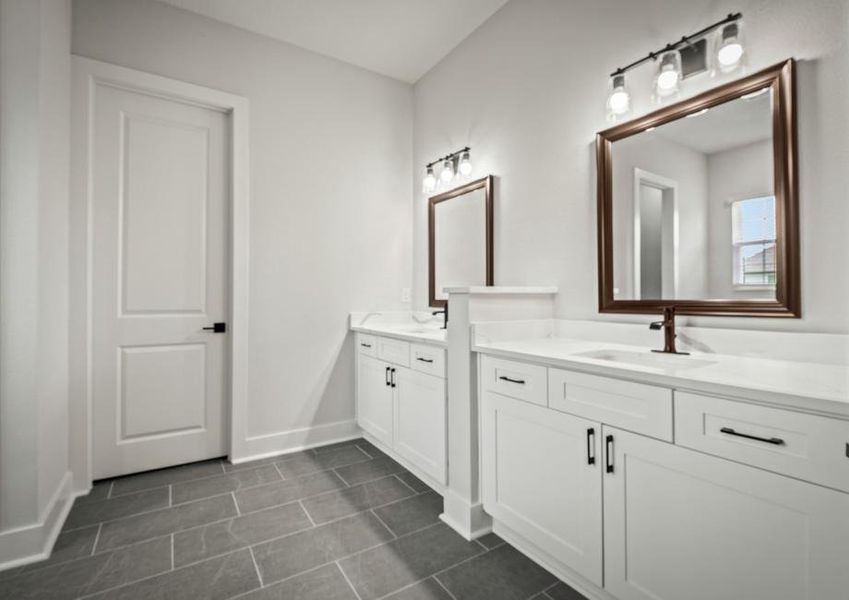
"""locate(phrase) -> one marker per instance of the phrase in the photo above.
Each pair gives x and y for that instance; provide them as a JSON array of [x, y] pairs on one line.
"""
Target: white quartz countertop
[[809, 386], [402, 326]]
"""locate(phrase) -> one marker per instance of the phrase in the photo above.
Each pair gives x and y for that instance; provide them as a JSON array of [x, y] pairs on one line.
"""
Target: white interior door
[[159, 245]]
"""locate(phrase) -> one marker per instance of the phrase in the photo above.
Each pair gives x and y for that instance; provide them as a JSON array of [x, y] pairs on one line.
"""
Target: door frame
[[86, 75]]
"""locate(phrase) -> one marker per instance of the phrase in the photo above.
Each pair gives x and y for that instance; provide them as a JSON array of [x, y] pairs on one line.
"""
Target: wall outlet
[[405, 294]]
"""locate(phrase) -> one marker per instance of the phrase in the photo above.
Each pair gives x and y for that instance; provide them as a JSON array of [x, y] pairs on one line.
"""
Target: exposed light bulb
[[668, 79], [447, 173], [465, 166], [429, 181], [618, 100], [729, 54]]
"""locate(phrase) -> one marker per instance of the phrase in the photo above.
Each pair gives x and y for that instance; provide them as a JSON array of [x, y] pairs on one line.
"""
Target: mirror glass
[[694, 206], [460, 252]]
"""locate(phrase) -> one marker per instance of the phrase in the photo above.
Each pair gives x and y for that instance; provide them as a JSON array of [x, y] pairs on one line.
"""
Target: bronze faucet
[[668, 326]]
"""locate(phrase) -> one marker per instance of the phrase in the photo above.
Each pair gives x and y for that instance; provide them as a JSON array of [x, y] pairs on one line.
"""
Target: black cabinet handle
[[519, 381], [387, 376], [365, 345], [426, 360], [591, 446], [608, 441], [776, 441], [217, 328], [392, 376]]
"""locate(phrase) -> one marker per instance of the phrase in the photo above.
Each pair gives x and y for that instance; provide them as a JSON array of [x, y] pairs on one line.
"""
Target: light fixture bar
[[451, 156], [684, 41]]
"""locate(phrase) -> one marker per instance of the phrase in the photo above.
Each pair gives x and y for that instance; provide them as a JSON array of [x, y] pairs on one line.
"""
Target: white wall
[[330, 179], [526, 91], [734, 174], [34, 122]]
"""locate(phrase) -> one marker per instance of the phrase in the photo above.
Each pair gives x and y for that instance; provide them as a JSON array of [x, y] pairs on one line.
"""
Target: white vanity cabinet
[[401, 401], [666, 510]]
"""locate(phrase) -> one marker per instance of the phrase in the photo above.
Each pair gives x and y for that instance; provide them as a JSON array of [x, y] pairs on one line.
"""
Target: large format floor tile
[[340, 522]]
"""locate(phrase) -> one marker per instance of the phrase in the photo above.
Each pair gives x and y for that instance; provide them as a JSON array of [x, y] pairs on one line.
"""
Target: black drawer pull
[[590, 446], [387, 377], [427, 360], [609, 452], [366, 345], [776, 441], [392, 376], [519, 381]]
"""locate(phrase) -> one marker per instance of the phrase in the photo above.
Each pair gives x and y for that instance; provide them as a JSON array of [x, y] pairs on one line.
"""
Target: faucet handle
[[656, 325]]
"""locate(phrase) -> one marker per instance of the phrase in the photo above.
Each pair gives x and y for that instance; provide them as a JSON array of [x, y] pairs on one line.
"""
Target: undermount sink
[[648, 359]]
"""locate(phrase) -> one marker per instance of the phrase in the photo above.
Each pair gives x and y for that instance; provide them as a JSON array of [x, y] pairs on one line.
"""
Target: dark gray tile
[[561, 591], [504, 573], [91, 574], [308, 549], [347, 501], [283, 492], [370, 449], [152, 479], [387, 568], [214, 579], [414, 482], [116, 508], [99, 491], [301, 464], [411, 514], [199, 543], [366, 471], [165, 521], [490, 540], [325, 583], [429, 589], [221, 484], [69, 545]]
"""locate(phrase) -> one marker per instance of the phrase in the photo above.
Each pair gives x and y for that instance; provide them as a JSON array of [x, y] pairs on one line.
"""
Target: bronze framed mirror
[[460, 239], [698, 207]]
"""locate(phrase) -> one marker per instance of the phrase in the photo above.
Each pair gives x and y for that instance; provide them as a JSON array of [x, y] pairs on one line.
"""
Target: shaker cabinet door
[[541, 478], [374, 398], [420, 424], [681, 524]]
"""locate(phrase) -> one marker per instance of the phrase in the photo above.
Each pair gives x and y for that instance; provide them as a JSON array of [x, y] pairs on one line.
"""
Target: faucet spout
[[669, 335]]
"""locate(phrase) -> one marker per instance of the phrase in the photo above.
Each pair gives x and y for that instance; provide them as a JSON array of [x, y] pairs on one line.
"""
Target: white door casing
[[164, 194]]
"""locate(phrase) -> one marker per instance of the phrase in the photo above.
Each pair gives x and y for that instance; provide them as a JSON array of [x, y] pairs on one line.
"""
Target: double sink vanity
[[633, 474]]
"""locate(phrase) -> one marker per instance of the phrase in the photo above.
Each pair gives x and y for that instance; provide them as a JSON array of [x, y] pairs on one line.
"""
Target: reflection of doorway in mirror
[[655, 236]]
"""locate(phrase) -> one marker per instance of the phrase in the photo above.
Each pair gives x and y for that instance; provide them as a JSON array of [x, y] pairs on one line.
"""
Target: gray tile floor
[[338, 522]]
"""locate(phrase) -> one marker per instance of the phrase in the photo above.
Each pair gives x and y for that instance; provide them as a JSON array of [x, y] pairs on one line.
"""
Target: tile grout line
[[382, 522], [304, 508], [236, 503], [340, 477], [109, 492], [256, 567], [347, 579], [170, 495], [96, 538], [407, 485], [442, 585], [364, 452], [172, 551]]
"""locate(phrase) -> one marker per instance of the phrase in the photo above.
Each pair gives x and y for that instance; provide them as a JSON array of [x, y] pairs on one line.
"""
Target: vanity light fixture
[[678, 60], [452, 165]]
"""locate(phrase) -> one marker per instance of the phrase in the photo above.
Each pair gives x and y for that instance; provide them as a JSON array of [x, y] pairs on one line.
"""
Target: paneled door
[[159, 276], [375, 411]]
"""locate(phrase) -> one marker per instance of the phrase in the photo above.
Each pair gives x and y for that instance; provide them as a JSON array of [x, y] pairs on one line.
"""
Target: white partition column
[[462, 504]]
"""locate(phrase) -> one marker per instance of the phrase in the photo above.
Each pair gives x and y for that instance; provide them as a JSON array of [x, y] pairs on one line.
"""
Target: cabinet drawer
[[517, 380], [637, 407], [427, 359], [394, 351], [805, 446], [366, 344]]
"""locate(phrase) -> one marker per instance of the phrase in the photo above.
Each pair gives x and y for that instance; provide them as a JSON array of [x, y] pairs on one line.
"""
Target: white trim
[[86, 74], [664, 184], [284, 442], [32, 543]]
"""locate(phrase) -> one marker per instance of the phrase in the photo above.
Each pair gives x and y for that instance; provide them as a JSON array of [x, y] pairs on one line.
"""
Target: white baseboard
[[282, 442], [469, 520], [32, 543]]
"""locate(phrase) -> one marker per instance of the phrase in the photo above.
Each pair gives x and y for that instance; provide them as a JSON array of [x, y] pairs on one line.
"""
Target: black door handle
[[387, 376], [217, 328], [608, 441], [392, 376], [775, 440], [591, 446], [519, 381]]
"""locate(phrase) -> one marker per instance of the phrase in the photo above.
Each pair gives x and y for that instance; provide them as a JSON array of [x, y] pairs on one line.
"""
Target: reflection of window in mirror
[[753, 239]]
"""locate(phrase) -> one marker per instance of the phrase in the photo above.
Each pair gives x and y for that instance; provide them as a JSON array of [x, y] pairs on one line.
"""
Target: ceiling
[[399, 38]]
